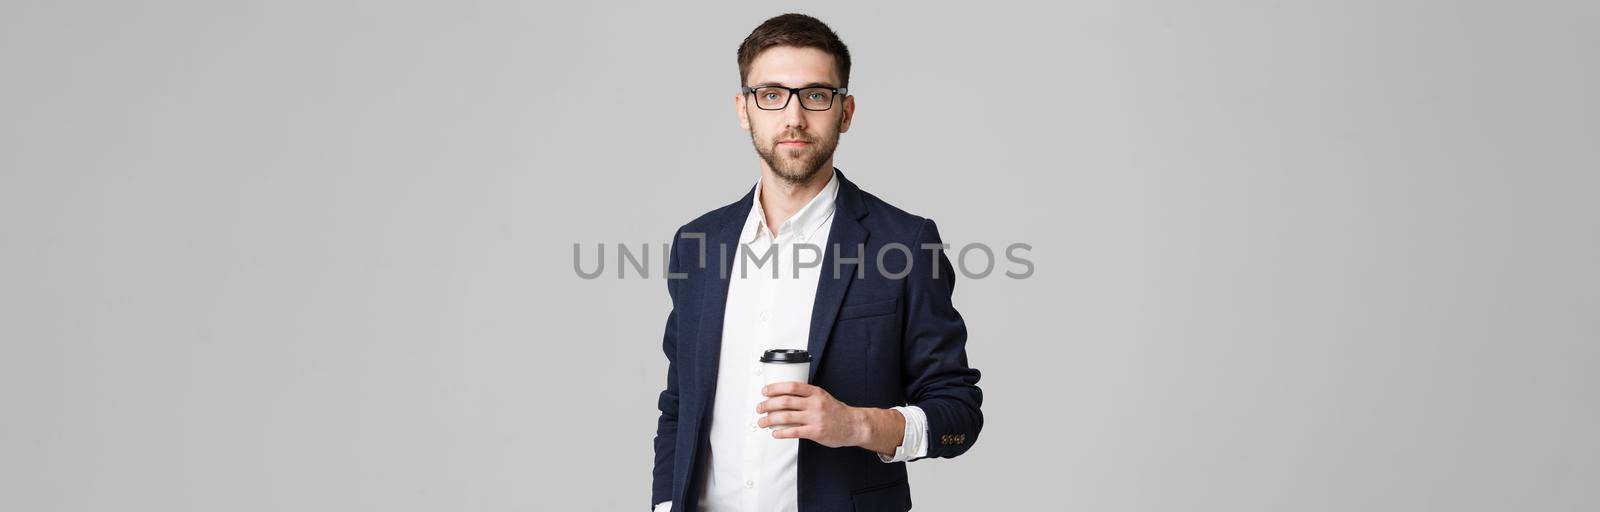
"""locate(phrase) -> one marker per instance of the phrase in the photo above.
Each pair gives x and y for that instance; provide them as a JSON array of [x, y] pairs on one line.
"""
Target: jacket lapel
[[847, 237], [722, 244]]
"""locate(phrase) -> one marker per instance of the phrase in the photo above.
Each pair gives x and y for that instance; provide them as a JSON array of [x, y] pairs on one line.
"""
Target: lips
[[792, 143]]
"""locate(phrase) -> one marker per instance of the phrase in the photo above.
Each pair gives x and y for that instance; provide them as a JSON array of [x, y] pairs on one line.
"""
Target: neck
[[780, 199]]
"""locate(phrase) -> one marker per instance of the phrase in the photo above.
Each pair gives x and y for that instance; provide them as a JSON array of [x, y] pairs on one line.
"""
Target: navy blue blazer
[[883, 333]]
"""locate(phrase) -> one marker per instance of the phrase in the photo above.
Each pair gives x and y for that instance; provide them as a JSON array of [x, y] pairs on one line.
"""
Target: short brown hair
[[796, 30]]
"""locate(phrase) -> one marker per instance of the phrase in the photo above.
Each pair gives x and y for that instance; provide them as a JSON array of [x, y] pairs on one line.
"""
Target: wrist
[[880, 430], [863, 423]]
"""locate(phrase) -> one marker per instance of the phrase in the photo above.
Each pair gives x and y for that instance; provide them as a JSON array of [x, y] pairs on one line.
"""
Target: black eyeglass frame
[[795, 91]]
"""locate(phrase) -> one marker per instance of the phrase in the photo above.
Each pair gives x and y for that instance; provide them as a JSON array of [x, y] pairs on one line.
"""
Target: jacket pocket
[[868, 309], [891, 497]]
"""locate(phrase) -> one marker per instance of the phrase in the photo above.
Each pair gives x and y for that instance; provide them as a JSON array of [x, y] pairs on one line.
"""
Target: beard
[[796, 166]]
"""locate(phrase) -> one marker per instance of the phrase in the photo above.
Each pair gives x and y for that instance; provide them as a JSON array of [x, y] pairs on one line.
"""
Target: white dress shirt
[[747, 469]]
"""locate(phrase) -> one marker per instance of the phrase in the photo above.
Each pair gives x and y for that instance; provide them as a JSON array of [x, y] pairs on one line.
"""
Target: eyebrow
[[812, 84]]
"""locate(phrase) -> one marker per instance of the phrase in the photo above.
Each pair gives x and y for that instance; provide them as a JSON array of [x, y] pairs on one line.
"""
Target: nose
[[794, 116]]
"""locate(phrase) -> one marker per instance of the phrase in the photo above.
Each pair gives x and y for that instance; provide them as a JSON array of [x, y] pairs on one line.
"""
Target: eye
[[817, 96], [770, 96]]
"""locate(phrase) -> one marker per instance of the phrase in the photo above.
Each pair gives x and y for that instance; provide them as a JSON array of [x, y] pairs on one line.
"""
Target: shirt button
[[755, 369], [753, 427], [765, 315], [749, 484]]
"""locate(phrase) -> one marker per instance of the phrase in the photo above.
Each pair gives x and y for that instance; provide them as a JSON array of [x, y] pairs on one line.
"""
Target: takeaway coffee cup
[[785, 365]]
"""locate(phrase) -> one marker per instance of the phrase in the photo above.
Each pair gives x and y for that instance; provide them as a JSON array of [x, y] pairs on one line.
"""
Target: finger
[[788, 433], [779, 418], [780, 403], [795, 433], [788, 388]]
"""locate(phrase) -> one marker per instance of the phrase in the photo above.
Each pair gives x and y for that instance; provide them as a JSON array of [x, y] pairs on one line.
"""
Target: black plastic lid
[[786, 355]]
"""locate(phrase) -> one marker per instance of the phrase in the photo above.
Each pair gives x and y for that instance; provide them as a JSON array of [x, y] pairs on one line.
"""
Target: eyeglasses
[[772, 97]]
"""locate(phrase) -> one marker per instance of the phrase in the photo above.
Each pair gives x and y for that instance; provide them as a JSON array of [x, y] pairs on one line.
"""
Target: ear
[[744, 115], [849, 106]]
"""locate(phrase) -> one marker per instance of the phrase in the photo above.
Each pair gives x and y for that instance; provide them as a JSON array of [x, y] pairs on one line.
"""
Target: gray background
[[317, 255]]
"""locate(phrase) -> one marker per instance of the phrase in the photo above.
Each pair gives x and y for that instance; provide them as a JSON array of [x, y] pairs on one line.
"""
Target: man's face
[[794, 142]]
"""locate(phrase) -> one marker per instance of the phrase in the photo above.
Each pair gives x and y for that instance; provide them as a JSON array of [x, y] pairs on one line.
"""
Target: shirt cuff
[[665, 506], [914, 445]]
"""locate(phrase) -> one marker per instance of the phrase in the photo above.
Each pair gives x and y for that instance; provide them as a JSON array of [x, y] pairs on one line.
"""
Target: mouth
[[793, 143]]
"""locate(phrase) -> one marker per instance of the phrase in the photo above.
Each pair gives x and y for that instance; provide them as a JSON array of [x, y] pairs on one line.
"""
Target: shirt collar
[[804, 222]]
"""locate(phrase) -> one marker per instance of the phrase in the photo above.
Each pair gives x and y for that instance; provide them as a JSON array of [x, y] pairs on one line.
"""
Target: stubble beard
[[796, 167]]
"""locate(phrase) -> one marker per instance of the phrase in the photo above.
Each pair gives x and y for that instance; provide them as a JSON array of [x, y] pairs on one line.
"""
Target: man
[[821, 266]]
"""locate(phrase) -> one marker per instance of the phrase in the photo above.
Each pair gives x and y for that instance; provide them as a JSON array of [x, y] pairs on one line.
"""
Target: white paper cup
[[785, 365]]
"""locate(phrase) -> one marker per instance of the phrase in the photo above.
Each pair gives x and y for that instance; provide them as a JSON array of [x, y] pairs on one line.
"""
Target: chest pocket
[[868, 309]]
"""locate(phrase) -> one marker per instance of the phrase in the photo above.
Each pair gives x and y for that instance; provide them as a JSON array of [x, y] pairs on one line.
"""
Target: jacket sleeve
[[666, 440], [937, 376]]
